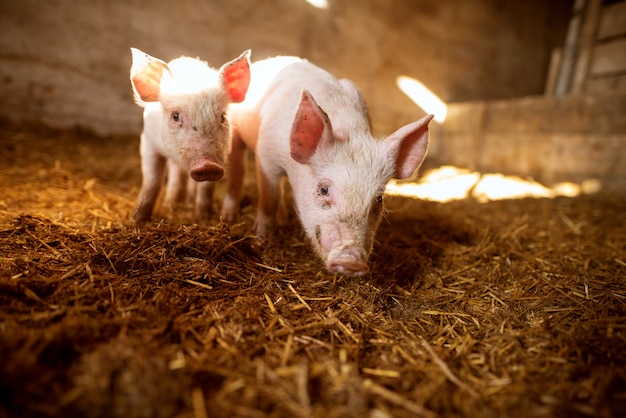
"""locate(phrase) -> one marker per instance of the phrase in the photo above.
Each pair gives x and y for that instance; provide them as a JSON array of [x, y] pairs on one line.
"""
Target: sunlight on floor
[[449, 183]]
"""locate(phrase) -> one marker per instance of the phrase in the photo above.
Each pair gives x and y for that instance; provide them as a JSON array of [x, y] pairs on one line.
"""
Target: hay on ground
[[511, 308]]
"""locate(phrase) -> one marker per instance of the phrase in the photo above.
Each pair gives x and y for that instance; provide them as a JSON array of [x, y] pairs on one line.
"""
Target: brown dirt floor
[[511, 308]]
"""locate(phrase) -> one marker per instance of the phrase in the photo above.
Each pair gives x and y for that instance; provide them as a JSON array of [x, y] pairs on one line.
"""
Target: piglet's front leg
[[204, 199], [236, 173], [152, 168], [268, 182]]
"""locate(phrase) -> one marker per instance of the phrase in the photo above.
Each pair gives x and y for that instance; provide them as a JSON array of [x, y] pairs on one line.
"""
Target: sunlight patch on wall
[[320, 4], [423, 97], [449, 183]]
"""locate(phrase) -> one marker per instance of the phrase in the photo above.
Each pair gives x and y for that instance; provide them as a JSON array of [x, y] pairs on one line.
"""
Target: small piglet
[[304, 123], [185, 125]]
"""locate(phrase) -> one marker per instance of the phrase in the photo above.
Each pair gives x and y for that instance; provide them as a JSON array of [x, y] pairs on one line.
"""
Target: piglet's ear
[[310, 130], [145, 76], [408, 146], [236, 76]]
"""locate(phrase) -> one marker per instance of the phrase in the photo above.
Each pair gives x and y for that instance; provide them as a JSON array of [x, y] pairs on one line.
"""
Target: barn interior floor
[[507, 308]]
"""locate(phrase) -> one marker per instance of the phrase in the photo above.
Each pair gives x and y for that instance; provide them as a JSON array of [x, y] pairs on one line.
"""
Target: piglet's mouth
[[348, 259]]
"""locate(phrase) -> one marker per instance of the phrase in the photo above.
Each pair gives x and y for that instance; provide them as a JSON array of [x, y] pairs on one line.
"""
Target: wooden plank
[[606, 85], [613, 20], [609, 57], [585, 45], [556, 60]]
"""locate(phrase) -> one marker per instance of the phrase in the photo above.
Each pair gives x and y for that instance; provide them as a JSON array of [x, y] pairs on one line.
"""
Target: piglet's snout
[[206, 170], [347, 260]]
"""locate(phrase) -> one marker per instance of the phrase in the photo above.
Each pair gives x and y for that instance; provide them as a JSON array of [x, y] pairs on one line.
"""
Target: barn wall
[[66, 62], [575, 132], [569, 139]]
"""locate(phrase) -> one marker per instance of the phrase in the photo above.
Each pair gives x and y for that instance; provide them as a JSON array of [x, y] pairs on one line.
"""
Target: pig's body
[[315, 129], [185, 126]]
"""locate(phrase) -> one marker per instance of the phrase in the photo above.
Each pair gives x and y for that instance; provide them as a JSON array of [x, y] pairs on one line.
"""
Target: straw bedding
[[511, 308]]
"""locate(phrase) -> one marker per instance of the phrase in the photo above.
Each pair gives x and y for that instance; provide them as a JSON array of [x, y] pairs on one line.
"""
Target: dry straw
[[502, 309]]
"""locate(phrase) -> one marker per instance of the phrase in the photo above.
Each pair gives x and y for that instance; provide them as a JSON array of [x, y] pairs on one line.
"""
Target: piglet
[[305, 124], [185, 125]]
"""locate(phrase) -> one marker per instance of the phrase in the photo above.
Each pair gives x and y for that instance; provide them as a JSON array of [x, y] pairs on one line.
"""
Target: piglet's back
[[281, 85]]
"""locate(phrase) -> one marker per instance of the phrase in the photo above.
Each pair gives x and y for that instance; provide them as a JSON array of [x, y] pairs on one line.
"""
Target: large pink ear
[[310, 128], [408, 146], [145, 76], [236, 76]]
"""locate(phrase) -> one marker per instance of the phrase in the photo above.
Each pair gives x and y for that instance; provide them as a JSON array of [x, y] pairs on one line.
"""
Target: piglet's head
[[147, 74], [339, 190], [193, 101]]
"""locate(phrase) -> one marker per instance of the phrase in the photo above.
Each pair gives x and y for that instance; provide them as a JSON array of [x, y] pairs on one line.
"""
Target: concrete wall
[[574, 138], [65, 62]]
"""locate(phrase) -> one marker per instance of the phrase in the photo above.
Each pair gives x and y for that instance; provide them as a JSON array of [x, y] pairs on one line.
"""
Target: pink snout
[[349, 261], [206, 170]]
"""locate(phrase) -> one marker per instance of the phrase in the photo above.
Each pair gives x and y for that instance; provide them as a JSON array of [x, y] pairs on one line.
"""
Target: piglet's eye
[[324, 189], [176, 116], [223, 120], [379, 198]]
